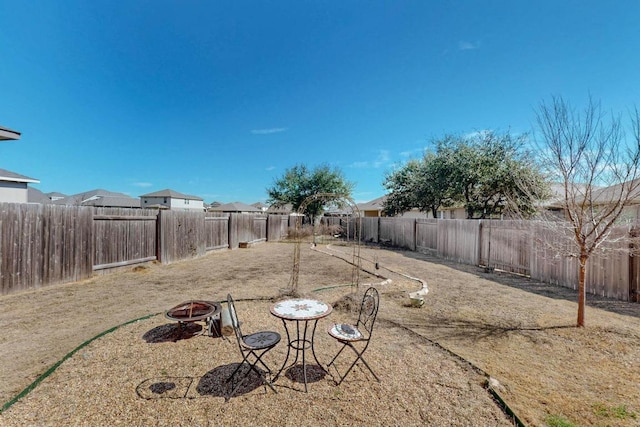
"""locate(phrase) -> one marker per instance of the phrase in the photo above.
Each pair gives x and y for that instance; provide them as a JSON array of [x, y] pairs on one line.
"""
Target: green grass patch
[[620, 412], [558, 421]]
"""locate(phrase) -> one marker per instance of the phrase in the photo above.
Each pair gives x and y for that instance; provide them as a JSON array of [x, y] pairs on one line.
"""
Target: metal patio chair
[[357, 336], [252, 347]]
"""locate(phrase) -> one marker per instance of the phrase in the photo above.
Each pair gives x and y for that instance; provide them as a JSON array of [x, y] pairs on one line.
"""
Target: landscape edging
[[55, 366]]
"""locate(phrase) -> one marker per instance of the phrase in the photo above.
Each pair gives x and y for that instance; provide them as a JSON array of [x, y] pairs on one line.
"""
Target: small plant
[[558, 421], [333, 230], [620, 412], [299, 233]]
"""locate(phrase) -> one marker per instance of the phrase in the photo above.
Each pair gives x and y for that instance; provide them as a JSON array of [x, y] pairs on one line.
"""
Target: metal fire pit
[[195, 311]]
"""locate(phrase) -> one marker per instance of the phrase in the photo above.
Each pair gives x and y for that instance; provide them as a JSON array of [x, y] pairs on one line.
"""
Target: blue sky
[[218, 98]]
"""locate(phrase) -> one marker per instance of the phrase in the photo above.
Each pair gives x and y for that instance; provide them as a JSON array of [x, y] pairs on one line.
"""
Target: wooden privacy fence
[[44, 244], [124, 237], [277, 227], [48, 244], [508, 246]]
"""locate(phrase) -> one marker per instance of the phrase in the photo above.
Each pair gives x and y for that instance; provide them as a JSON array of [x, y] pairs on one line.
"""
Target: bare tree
[[597, 166]]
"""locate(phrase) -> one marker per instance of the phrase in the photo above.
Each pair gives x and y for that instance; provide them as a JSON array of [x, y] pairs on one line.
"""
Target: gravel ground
[[518, 331], [129, 377]]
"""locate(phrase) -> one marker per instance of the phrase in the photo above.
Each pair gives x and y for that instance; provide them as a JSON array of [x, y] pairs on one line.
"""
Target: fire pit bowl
[[193, 311]]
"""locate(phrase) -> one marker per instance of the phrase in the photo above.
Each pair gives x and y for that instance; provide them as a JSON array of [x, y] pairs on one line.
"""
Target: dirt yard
[[431, 360]]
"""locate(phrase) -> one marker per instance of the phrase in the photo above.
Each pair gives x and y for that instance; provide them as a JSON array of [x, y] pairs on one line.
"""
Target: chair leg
[[359, 357], [261, 374], [259, 359], [337, 354], [252, 367], [238, 368], [235, 388], [369, 367]]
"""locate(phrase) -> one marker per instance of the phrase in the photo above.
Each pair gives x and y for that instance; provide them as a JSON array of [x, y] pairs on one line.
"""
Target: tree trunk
[[581, 292]]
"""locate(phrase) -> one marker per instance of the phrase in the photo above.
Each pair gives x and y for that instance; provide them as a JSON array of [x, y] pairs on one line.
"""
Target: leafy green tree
[[418, 184], [299, 182], [488, 173], [401, 184], [492, 173]]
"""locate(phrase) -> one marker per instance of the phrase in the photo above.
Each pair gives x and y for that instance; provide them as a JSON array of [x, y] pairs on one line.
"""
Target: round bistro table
[[302, 311]]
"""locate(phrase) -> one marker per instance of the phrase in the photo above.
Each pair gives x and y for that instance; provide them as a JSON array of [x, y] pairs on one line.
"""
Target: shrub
[[330, 230], [299, 233]]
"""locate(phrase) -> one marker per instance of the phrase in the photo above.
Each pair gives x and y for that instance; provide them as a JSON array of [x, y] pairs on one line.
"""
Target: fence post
[[233, 230], [634, 292], [159, 236], [266, 235], [480, 242]]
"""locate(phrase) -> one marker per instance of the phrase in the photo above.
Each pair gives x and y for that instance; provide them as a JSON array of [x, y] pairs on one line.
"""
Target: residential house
[[261, 206], [170, 199], [606, 196], [36, 196], [8, 134], [235, 207], [114, 201], [54, 195], [14, 187], [454, 212], [555, 203], [286, 209], [373, 208], [99, 198]]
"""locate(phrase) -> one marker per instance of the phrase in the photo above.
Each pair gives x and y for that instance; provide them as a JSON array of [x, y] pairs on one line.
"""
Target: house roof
[[55, 194], [36, 196], [286, 208], [235, 207], [7, 134], [6, 175], [171, 193], [557, 199], [373, 205], [92, 198], [609, 194], [114, 202]]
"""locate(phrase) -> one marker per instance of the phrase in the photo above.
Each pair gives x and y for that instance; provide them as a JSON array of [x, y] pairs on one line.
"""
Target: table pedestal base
[[300, 344]]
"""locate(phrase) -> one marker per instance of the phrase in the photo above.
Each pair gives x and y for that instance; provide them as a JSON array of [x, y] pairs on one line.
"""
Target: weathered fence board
[[124, 237], [458, 240], [370, 229], [334, 221], [277, 227], [427, 235], [634, 279], [217, 231], [49, 244], [399, 232], [247, 228], [43, 244], [182, 235], [505, 245]]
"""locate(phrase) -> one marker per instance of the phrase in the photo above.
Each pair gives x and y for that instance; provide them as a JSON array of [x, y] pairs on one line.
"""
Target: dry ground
[[518, 331]]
